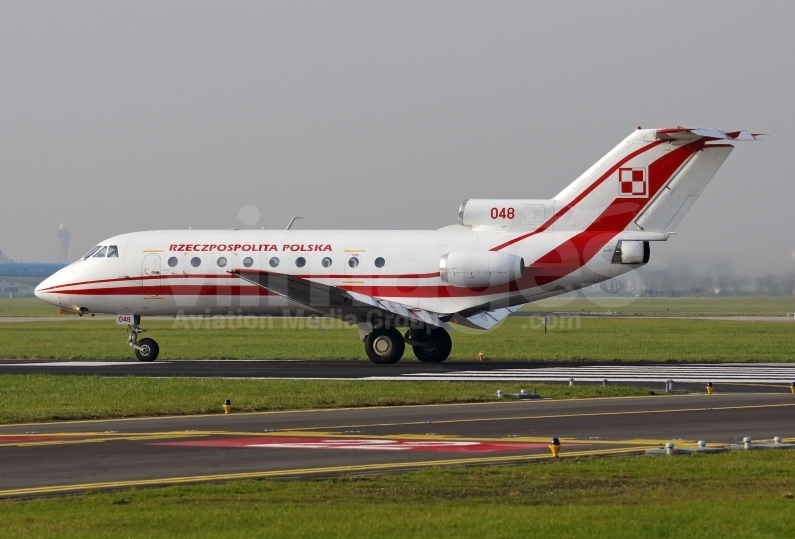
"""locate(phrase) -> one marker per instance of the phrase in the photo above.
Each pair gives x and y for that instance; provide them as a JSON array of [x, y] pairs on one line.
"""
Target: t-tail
[[637, 193], [646, 183]]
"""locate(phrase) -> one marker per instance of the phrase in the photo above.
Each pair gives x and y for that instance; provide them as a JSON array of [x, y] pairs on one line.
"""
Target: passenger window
[[101, 253], [195, 261], [92, 251], [173, 261], [300, 261], [379, 262], [248, 261], [113, 251], [273, 262], [326, 262], [222, 262], [353, 262]]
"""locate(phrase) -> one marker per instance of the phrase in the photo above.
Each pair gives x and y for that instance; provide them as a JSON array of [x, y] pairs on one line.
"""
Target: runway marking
[[72, 438], [82, 364], [331, 470], [555, 416], [766, 373], [361, 443], [67, 438], [525, 439]]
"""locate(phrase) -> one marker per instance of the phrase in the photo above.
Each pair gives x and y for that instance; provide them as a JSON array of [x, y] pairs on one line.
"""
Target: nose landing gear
[[145, 349]]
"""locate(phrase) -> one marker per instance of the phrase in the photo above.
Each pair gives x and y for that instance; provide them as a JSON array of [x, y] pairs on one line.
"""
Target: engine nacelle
[[508, 215], [634, 252], [480, 270]]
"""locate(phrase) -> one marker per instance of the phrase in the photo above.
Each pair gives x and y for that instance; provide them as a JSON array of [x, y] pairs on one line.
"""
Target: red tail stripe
[[577, 251], [565, 209]]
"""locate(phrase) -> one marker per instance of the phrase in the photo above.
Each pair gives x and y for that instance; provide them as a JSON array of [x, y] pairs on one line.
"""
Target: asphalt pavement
[[63, 457]]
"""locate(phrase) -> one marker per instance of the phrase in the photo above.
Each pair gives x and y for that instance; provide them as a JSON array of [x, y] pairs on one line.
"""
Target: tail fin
[[647, 182]]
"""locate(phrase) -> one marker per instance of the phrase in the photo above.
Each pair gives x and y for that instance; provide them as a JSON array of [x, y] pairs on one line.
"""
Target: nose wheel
[[145, 349]]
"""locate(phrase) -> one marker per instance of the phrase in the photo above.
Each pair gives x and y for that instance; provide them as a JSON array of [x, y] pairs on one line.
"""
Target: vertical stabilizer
[[677, 197]]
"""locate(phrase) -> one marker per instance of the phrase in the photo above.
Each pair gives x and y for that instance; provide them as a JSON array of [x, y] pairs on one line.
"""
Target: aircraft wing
[[483, 319], [321, 297]]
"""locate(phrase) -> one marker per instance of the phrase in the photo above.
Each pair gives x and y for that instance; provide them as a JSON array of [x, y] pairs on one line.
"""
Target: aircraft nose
[[44, 294]]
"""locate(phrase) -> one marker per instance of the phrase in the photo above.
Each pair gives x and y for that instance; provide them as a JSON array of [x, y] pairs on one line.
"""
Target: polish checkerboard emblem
[[632, 183]]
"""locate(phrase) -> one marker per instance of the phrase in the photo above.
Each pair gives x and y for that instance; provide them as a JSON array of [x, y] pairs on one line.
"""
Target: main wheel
[[148, 350], [436, 346], [384, 345]]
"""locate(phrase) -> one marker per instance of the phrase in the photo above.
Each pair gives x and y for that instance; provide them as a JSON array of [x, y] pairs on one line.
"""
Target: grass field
[[518, 338], [26, 307], [682, 306], [737, 494], [663, 306], [37, 397]]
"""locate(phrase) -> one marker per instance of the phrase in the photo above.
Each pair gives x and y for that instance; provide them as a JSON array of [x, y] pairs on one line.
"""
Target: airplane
[[501, 254], [26, 273]]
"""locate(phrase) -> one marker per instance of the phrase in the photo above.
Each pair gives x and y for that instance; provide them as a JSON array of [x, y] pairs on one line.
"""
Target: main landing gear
[[386, 345], [430, 347], [145, 349]]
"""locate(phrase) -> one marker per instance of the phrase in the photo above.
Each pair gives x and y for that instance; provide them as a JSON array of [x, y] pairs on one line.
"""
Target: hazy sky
[[124, 116]]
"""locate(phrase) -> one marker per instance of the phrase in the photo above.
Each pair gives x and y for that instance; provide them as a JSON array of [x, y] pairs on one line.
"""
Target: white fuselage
[[177, 272]]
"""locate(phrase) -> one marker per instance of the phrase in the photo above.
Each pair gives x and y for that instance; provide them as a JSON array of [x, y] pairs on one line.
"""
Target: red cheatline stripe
[[171, 290], [408, 291], [344, 276], [140, 278], [565, 209], [54, 289]]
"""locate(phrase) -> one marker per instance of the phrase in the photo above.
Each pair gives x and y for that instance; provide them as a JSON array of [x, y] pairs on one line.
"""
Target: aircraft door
[[150, 272]]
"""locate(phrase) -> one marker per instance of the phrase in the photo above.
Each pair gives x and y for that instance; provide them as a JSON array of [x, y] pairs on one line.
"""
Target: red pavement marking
[[299, 442]]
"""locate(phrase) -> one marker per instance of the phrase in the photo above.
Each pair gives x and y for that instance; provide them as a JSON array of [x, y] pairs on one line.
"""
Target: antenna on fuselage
[[292, 221]]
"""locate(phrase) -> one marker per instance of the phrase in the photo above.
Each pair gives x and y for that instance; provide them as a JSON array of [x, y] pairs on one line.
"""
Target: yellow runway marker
[[332, 470], [71, 438]]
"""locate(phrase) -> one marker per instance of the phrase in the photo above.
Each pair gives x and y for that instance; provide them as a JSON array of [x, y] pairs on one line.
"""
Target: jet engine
[[633, 252], [478, 270]]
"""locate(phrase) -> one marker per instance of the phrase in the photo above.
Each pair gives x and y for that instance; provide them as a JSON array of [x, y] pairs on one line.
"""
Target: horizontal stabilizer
[[674, 133]]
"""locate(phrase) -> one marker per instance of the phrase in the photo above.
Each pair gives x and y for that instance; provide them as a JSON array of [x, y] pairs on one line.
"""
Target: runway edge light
[[792, 387], [555, 447], [710, 388], [227, 406]]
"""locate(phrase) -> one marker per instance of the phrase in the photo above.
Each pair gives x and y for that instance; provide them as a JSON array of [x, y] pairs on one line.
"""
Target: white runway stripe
[[766, 373]]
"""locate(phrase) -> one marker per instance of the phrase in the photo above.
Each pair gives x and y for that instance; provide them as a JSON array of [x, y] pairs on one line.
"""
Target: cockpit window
[[113, 251], [101, 253], [92, 251]]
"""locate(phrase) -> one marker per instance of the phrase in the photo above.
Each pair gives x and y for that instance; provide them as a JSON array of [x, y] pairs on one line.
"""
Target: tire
[[436, 346], [149, 350], [384, 346]]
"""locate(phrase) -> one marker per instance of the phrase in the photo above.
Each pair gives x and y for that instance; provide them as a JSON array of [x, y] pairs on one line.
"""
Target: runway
[[656, 374], [64, 457]]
